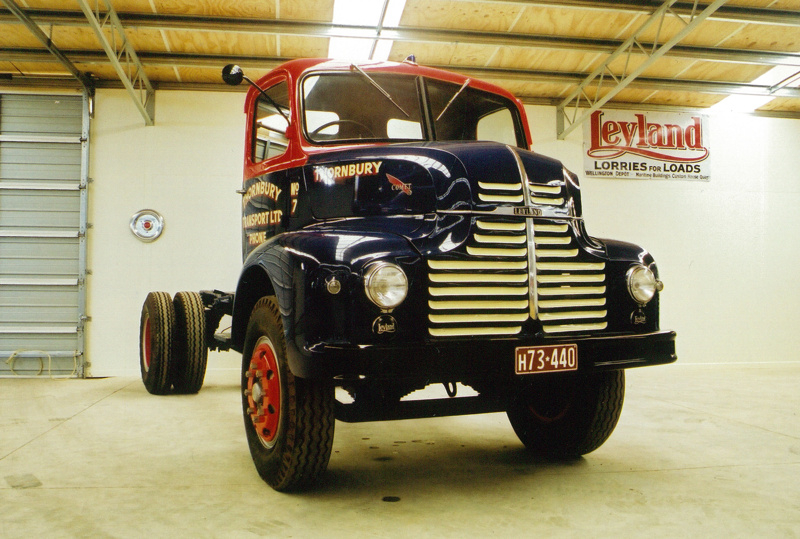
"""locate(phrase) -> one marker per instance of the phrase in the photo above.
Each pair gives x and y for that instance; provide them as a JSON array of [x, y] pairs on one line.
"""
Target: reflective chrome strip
[[500, 186], [450, 318], [488, 251], [461, 332], [476, 265], [556, 253], [553, 240], [495, 304], [529, 232], [483, 238], [575, 327], [572, 266], [478, 291], [572, 315], [572, 278], [550, 212], [560, 229], [556, 303], [487, 225], [514, 199], [548, 201], [572, 290], [478, 277], [549, 189]]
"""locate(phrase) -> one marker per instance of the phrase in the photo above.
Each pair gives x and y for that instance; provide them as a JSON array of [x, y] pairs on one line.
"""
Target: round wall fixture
[[147, 225]]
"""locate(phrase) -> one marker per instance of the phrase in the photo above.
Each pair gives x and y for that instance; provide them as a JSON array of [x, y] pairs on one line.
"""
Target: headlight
[[642, 284], [385, 284]]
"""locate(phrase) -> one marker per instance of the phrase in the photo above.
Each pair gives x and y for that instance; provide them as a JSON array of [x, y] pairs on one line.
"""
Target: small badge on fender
[[638, 317], [385, 323]]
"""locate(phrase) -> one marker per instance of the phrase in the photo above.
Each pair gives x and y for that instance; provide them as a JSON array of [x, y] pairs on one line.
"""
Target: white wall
[[188, 167], [727, 249]]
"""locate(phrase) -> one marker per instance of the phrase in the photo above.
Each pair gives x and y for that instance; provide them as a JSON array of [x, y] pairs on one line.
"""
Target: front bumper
[[470, 359]]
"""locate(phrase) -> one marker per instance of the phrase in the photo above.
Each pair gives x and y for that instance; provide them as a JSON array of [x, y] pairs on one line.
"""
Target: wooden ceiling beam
[[213, 61], [22, 17], [409, 34], [740, 14]]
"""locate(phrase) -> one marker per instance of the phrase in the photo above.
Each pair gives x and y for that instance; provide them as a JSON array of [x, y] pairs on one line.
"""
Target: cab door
[[269, 164]]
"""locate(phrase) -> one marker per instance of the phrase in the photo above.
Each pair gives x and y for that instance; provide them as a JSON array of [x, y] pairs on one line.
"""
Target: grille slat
[[475, 278], [479, 305], [479, 291], [512, 199]]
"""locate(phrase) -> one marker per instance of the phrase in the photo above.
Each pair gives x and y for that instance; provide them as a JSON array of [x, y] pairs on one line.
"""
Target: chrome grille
[[499, 284], [486, 293], [570, 287]]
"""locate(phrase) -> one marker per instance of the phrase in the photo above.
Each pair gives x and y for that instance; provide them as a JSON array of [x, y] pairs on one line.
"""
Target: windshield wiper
[[381, 90], [458, 93]]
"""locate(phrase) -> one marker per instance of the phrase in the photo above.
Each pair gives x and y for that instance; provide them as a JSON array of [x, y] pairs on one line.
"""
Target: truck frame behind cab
[[398, 232]]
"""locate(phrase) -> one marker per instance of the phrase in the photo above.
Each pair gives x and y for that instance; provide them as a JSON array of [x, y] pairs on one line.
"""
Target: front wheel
[[289, 421], [565, 416]]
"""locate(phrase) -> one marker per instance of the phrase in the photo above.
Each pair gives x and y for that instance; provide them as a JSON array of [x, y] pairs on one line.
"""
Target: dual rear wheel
[[172, 347]]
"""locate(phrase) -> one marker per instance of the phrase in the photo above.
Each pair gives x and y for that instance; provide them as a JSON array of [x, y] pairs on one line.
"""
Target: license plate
[[535, 359]]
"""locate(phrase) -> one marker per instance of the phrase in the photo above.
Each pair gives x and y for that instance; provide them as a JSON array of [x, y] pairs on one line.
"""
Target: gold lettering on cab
[[261, 189], [342, 172]]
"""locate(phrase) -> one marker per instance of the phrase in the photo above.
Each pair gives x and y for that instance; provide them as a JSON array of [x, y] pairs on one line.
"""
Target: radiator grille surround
[[522, 261]]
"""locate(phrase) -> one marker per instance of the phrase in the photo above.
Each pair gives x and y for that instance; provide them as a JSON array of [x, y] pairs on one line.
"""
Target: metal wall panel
[[43, 178]]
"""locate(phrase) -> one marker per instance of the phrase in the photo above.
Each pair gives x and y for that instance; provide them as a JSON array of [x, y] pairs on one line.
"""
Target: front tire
[[289, 421], [156, 328], [566, 416]]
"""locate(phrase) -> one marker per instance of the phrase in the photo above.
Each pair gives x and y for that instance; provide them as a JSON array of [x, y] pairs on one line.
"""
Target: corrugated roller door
[[43, 176]]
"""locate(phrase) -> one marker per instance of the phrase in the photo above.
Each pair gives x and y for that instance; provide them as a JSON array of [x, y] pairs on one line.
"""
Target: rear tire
[[190, 355], [566, 416], [156, 328], [289, 421]]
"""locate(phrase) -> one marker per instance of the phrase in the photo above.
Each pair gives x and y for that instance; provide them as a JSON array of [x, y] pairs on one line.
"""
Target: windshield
[[381, 107], [347, 106]]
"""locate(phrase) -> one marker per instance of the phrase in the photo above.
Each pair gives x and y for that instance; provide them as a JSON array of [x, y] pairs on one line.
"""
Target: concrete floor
[[700, 451]]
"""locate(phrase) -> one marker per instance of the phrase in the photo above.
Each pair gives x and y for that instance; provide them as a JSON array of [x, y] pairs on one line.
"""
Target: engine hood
[[462, 177]]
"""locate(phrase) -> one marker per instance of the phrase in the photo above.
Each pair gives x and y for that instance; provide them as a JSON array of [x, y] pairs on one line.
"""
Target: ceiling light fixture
[[360, 13], [776, 78]]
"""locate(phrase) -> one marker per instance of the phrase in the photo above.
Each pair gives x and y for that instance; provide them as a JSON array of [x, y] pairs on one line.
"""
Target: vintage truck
[[399, 232]]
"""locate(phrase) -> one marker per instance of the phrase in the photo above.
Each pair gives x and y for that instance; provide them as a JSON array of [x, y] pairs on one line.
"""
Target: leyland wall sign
[[646, 146]]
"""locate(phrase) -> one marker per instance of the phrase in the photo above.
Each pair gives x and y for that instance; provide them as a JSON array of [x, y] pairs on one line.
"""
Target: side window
[[269, 131]]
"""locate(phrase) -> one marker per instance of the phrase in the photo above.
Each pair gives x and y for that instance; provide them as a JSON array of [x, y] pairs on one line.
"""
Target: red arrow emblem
[[398, 185]]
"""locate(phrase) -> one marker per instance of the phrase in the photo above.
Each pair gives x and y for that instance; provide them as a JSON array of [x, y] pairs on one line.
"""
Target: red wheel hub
[[147, 343], [264, 392]]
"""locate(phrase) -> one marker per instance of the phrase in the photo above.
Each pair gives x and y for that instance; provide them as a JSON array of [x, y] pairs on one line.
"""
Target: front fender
[[296, 268]]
